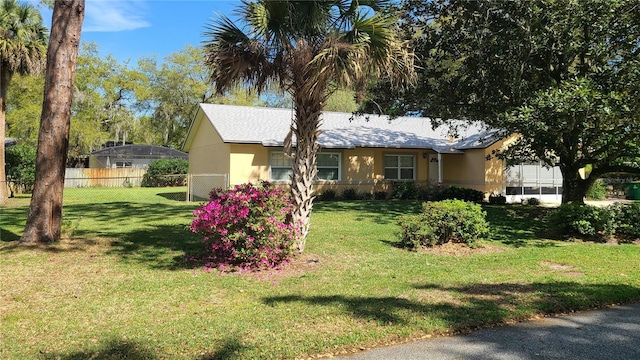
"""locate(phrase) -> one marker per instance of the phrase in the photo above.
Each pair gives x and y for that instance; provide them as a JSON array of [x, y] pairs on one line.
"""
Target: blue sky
[[130, 29]]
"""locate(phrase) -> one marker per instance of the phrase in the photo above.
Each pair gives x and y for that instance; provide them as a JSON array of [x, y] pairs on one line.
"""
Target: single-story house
[[132, 156], [369, 153]]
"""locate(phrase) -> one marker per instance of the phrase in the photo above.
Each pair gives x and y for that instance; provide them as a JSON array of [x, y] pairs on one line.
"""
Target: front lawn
[[119, 287]]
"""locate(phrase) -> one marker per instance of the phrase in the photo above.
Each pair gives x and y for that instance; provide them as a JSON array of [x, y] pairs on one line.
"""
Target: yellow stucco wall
[[207, 153], [249, 163], [362, 168]]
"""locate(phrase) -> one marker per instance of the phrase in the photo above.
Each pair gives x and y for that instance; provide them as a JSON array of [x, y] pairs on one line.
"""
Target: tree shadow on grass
[[10, 217], [518, 225], [159, 247], [231, 349], [155, 235], [175, 196], [113, 349], [469, 307], [378, 211]]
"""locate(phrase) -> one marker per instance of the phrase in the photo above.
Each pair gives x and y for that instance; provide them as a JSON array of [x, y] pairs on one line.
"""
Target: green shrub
[[404, 190], [350, 194], [444, 221], [20, 165], [380, 195], [496, 199], [627, 219], [327, 195], [533, 201], [364, 195], [429, 192], [465, 194], [166, 172], [583, 221], [597, 191]]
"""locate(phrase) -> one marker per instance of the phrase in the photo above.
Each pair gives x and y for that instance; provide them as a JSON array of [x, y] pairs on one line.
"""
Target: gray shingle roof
[[269, 126]]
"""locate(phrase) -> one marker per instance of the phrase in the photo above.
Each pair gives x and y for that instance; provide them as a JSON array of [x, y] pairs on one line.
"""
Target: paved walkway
[[609, 334]]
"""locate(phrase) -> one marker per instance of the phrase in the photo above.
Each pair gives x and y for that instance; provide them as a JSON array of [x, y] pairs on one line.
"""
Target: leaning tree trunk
[[45, 211], [307, 130]]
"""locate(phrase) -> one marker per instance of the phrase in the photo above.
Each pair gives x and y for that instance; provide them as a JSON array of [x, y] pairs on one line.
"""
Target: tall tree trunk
[[45, 211], [574, 188], [307, 129], [3, 108]]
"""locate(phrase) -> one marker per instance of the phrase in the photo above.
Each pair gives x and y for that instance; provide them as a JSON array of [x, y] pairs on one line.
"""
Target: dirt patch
[[298, 266], [460, 249], [556, 266], [569, 270]]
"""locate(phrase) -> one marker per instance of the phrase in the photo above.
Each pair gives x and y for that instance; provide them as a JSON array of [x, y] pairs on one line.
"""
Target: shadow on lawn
[[116, 349], [378, 211], [155, 235], [231, 349], [518, 225], [113, 349], [469, 307], [15, 216]]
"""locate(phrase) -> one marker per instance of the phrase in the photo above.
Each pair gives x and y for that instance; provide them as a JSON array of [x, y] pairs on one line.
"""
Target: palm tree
[[309, 49], [23, 47]]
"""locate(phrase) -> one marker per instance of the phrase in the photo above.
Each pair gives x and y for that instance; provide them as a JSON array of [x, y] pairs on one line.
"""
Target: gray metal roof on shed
[[269, 127], [140, 152]]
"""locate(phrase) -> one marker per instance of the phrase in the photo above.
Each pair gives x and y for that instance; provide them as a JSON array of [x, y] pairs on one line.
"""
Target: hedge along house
[[368, 152]]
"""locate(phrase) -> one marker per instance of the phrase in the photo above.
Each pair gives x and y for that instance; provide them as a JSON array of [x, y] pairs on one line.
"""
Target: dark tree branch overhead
[[564, 75]]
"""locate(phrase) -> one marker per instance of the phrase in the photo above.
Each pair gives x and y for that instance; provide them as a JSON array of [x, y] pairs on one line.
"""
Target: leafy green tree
[[104, 101], [21, 166], [23, 40], [562, 74], [310, 49], [343, 101], [174, 88], [23, 112], [44, 219]]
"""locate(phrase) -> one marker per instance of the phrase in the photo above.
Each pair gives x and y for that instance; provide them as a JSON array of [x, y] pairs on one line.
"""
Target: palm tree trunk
[[3, 107], [45, 211], [307, 130]]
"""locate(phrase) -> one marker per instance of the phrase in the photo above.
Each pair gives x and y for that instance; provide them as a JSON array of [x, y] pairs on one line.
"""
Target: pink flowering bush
[[246, 227]]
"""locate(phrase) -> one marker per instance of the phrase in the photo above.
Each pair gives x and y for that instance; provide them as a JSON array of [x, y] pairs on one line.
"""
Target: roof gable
[[269, 127]]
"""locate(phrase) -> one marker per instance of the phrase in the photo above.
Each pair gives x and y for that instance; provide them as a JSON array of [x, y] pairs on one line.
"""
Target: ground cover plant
[[119, 286]]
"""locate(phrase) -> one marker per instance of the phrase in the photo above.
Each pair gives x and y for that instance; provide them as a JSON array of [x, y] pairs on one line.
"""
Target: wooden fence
[[100, 177]]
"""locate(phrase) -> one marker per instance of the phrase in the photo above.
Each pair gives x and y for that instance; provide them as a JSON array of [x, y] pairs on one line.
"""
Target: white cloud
[[114, 15]]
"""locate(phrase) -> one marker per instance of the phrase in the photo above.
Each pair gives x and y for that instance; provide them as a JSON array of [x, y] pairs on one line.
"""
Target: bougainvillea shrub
[[246, 227]]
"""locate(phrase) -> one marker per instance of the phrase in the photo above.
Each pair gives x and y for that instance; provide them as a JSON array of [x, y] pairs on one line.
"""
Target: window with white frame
[[328, 165], [281, 165], [399, 167]]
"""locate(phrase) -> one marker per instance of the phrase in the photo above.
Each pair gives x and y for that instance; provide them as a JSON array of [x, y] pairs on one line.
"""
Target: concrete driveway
[[608, 334]]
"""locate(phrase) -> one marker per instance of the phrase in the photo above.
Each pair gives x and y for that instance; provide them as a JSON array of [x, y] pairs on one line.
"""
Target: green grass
[[118, 287]]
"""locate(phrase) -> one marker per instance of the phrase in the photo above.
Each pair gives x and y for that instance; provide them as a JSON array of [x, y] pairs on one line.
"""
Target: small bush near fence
[[166, 172], [246, 227], [444, 221]]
